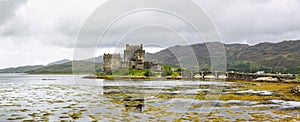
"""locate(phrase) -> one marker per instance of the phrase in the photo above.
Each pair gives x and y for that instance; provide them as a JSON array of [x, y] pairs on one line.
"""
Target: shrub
[[148, 73]]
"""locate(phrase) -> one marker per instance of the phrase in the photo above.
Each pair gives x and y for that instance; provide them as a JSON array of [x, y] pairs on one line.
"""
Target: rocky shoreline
[[138, 78], [296, 90], [144, 78]]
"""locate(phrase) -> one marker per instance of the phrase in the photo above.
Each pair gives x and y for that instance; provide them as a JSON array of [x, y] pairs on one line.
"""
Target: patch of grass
[[287, 95], [250, 97], [75, 115], [131, 72], [298, 77], [117, 95], [15, 115], [170, 96], [268, 86], [281, 90]]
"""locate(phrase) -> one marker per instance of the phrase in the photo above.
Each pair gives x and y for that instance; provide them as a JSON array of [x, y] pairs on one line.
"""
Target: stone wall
[[134, 58], [112, 62]]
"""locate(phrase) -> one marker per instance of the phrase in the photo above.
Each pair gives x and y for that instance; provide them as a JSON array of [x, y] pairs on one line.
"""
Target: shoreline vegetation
[[144, 78], [118, 77], [172, 73]]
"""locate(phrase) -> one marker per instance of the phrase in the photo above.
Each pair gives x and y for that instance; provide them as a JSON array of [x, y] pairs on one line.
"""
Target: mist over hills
[[283, 57]]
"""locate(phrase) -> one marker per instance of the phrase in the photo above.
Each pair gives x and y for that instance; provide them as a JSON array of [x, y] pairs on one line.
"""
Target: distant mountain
[[59, 62], [281, 57], [98, 59], [64, 68], [68, 68], [20, 69]]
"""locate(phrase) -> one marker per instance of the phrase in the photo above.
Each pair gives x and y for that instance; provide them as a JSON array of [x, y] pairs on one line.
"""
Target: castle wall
[[134, 58], [112, 62]]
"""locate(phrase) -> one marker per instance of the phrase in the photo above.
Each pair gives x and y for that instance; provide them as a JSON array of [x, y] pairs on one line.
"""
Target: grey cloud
[[56, 23], [8, 9], [251, 20], [255, 20], [140, 18]]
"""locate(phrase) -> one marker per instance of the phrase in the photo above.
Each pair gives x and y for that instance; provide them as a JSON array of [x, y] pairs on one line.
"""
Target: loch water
[[25, 97]]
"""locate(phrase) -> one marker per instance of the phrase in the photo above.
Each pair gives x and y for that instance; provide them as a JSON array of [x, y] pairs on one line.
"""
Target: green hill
[[64, 68], [59, 62], [20, 69], [68, 68], [283, 57]]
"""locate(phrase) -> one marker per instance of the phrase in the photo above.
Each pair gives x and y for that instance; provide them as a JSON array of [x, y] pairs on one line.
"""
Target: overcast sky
[[39, 32]]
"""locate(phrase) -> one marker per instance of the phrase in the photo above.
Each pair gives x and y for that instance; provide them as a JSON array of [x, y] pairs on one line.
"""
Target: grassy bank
[[60, 73], [298, 77]]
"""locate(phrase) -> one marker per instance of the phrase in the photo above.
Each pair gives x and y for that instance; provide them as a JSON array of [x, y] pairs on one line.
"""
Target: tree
[[166, 71], [96, 73], [175, 74], [239, 66], [148, 73]]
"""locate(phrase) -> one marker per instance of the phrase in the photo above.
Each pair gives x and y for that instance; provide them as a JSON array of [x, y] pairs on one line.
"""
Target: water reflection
[[134, 104]]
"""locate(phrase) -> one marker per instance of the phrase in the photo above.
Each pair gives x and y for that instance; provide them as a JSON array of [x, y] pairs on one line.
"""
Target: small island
[[134, 66]]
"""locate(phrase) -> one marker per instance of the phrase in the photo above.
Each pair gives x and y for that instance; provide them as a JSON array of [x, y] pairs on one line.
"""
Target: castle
[[134, 58]]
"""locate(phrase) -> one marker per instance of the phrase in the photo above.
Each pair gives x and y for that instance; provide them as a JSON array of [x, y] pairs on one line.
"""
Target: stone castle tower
[[134, 58], [112, 62]]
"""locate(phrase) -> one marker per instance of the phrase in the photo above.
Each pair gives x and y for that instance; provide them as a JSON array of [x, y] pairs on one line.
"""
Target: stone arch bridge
[[239, 76]]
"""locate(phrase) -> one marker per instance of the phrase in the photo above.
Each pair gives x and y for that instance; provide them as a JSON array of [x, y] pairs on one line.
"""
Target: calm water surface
[[70, 98]]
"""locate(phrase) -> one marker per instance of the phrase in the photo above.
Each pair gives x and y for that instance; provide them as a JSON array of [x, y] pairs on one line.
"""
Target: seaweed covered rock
[[296, 90]]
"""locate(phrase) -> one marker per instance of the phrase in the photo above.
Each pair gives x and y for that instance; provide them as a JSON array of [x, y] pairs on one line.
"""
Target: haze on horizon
[[34, 32]]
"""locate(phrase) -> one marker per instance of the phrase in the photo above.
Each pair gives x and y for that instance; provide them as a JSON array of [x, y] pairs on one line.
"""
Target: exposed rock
[[266, 79], [296, 90]]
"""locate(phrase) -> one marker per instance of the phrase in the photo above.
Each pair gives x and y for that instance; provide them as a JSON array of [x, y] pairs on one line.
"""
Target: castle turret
[[134, 56], [112, 62]]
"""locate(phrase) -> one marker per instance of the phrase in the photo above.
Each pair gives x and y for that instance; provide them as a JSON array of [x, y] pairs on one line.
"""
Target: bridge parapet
[[240, 76], [252, 76]]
